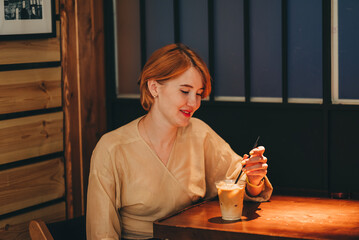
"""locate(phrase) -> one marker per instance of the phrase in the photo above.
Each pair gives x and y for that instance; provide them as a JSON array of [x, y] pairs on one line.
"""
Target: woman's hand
[[255, 166]]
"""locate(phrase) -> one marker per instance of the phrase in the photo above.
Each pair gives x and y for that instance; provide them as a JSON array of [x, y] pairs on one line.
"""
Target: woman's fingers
[[256, 167], [257, 151], [254, 160], [259, 173], [256, 163]]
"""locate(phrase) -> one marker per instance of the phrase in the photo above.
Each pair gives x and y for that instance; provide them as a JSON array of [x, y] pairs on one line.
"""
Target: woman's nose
[[192, 100]]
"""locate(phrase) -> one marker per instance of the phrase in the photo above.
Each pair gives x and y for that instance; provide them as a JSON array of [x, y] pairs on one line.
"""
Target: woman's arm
[[102, 218]]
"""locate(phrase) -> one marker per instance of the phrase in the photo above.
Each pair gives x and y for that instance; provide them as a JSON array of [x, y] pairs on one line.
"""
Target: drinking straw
[[240, 172]]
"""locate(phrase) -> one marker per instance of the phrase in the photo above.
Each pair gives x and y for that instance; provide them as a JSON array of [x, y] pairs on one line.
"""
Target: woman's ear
[[153, 87]]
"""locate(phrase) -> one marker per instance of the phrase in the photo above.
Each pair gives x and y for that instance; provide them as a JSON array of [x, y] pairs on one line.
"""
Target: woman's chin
[[183, 123]]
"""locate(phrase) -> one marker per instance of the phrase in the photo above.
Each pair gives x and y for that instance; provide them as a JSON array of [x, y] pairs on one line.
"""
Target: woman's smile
[[186, 113]]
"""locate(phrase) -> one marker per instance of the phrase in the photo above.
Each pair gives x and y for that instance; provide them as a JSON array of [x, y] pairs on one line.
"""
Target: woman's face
[[179, 98]]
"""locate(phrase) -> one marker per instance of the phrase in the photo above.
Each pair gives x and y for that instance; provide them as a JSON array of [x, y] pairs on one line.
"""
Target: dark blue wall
[[348, 28]]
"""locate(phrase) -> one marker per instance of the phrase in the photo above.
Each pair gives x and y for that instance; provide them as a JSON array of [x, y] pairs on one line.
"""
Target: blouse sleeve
[[102, 218], [223, 163]]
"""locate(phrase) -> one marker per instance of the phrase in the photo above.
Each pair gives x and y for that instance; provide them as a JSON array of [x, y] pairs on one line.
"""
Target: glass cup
[[231, 198]]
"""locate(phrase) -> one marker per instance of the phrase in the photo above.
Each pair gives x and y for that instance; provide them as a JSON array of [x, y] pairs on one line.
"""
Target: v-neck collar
[[168, 166], [152, 150]]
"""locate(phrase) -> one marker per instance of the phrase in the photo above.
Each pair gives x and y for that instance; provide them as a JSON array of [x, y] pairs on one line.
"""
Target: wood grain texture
[[17, 227], [92, 81], [28, 137], [283, 217], [32, 50], [83, 92], [30, 185], [32, 89], [39, 231], [71, 111]]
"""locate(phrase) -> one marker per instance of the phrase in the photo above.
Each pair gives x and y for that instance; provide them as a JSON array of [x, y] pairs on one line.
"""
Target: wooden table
[[283, 217]]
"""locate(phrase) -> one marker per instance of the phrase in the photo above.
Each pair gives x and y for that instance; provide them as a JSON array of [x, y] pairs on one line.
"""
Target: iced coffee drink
[[231, 198]]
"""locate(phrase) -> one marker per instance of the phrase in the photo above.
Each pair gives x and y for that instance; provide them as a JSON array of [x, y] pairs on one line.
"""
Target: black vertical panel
[[229, 48], [326, 68], [326, 49], [265, 48], [159, 17], [284, 51], [176, 20], [143, 32], [348, 27], [247, 59], [193, 17], [211, 34], [305, 49]]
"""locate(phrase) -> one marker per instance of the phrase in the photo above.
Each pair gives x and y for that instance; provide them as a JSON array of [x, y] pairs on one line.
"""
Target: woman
[[165, 160]]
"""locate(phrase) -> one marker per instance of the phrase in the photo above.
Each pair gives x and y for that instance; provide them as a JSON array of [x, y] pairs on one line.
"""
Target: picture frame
[[27, 19]]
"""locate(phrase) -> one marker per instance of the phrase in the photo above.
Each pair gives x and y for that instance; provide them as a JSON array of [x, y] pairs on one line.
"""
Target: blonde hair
[[168, 63]]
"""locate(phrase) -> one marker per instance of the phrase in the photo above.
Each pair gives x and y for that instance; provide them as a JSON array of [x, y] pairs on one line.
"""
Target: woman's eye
[[185, 92], [199, 94]]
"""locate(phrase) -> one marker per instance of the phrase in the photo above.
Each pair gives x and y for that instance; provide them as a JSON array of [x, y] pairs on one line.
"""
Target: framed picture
[[26, 19]]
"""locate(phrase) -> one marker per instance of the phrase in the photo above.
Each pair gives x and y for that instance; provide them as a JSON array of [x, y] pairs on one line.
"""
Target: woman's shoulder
[[112, 143], [122, 135], [198, 127], [198, 124]]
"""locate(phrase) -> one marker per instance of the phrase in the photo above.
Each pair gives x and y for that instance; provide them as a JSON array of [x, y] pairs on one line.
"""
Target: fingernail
[[251, 152], [243, 162]]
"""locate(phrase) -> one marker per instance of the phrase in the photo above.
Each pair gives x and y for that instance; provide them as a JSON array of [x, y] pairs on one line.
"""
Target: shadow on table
[[249, 213]]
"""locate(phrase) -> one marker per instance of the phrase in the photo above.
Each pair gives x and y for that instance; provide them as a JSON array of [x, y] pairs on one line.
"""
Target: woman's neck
[[158, 135], [158, 131]]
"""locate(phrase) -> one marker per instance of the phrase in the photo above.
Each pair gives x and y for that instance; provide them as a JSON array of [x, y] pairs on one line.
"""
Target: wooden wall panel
[[31, 184], [32, 50], [84, 93], [28, 137], [57, 3], [16, 227], [32, 89]]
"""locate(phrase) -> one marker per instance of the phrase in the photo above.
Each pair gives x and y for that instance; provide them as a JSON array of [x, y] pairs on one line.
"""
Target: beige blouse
[[129, 186]]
